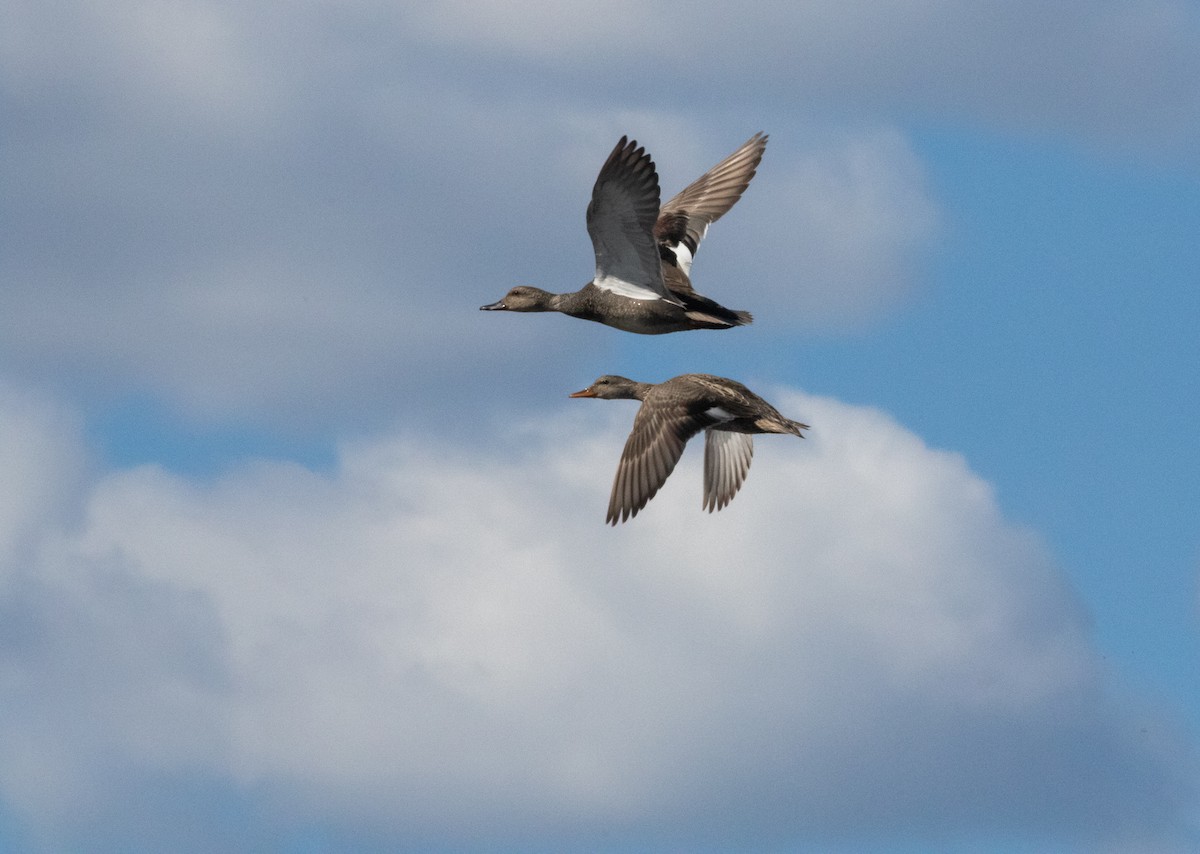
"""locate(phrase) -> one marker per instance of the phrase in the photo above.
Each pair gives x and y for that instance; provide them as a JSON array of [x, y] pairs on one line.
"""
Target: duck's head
[[521, 298], [611, 387]]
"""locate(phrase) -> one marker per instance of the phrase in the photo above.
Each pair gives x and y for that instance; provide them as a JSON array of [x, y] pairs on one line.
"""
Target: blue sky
[[300, 551]]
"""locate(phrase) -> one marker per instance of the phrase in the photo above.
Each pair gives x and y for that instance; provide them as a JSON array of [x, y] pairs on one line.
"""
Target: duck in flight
[[644, 253], [674, 411]]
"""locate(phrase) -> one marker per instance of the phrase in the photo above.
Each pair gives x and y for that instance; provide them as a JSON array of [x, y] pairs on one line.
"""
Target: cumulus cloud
[[445, 646], [1121, 73], [42, 459], [253, 292], [848, 219], [295, 197]]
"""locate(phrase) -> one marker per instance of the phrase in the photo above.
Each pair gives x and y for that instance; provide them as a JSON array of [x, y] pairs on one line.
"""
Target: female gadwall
[[643, 254], [673, 412]]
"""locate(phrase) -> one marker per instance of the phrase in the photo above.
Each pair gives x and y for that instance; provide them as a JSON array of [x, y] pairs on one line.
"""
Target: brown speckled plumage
[[674, 411]]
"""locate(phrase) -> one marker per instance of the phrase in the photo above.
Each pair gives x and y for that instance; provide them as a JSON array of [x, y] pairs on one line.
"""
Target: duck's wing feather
[[651, 453], [685, 219], [726, 462], [620, 220]]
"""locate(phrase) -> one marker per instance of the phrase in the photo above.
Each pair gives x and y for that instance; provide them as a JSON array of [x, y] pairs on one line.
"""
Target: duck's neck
[[573, 304], [636, 390]]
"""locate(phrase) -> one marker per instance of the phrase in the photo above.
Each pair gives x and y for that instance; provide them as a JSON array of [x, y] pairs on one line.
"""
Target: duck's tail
[[794, 427], [713, 315], [779, 424]]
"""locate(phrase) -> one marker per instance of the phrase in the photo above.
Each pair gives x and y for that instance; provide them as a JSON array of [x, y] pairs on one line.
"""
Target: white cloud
[[186, 61], [269, 295], [436, 636], [541, 29], [1121, 73], [301, 211], [41, 459], [845, 221]]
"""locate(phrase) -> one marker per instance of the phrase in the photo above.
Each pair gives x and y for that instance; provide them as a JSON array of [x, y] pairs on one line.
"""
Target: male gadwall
[[673, 412], [643, 254]]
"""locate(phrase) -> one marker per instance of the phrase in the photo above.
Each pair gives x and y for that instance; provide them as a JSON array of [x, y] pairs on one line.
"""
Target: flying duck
[[644, 253], [673, 412]]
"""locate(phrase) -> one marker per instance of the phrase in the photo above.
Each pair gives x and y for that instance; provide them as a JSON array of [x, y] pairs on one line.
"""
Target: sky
[[300, 551]]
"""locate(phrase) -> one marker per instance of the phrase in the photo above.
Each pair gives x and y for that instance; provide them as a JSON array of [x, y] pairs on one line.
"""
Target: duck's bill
[[587, 392], [494, 306]]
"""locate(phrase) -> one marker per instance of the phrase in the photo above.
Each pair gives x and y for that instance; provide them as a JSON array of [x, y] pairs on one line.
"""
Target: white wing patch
[[683, 256], [625, 288], [718, 414]]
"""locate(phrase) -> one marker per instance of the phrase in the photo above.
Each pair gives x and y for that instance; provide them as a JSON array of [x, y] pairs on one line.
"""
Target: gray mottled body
[[643, 252]]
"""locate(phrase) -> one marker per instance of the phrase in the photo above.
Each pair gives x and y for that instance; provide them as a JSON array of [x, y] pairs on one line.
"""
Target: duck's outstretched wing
[[685, 219], [726, 462], [654, 446], [620, 220]]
